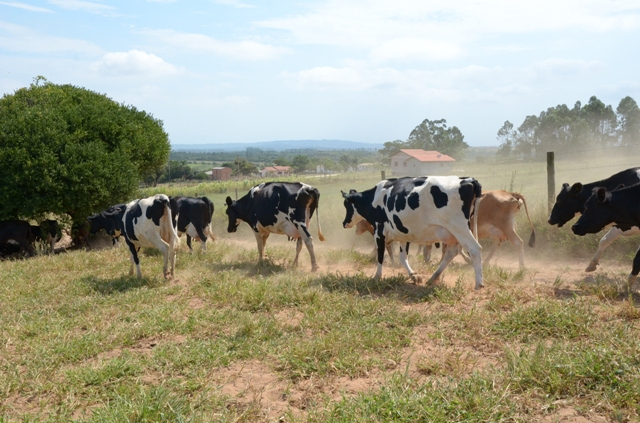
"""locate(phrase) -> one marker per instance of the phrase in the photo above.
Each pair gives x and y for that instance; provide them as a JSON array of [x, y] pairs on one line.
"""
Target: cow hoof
[[591, 267], [416, 279], [479, 286], [314, 269]]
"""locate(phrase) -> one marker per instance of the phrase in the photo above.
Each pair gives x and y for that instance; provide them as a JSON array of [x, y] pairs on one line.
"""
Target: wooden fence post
[[382, 175], [551, 179]]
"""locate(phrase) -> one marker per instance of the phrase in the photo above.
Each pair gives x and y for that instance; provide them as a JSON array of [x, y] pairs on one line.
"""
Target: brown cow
[[497, 220]]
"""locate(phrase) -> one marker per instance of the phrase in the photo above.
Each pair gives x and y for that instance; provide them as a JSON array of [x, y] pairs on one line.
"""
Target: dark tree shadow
[[121, 284], [266, 267], [365, 285]]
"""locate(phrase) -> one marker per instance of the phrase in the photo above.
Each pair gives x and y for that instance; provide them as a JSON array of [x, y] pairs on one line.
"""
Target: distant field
[[232, 341]]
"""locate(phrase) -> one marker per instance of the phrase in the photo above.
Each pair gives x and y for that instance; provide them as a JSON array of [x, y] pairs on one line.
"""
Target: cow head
[[109, 221], [234, 216], [352, 217], [567, 205], [597, 213]]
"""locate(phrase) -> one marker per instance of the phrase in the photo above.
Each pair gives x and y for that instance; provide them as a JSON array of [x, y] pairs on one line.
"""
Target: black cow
[[620, 206], [279, 208], [20, 233], [419, 210], [571, 201], [194, 219], [148, 222]]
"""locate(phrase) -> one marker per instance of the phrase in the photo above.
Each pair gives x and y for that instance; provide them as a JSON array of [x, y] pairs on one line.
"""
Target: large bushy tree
[[69, 150], [430, 135]]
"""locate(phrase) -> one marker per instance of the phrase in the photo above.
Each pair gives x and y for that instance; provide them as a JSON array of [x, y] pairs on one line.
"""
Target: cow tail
[[532, 238], [316, 202], [475, 217], [477, 191], [211, 208], [172, 234]]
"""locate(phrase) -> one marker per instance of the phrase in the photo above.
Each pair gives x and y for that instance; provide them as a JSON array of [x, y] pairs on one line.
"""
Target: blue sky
[[370, 71]]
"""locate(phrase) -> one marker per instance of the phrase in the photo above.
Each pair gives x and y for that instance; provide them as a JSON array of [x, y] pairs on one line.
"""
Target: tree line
[[563, 129]]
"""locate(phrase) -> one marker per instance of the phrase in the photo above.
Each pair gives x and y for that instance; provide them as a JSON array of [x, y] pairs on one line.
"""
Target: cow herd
[[449, 210]]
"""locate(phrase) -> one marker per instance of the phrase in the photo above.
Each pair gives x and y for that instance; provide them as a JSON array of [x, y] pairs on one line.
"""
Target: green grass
[[82, 341]]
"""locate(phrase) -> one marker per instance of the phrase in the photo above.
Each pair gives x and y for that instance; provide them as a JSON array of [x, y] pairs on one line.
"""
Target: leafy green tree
[[430, 135], [281, 161], [300, 163], [243, 167], [435, 135], [69, 150], [177, 170], [507, 137], [391, 147], [628, 121]]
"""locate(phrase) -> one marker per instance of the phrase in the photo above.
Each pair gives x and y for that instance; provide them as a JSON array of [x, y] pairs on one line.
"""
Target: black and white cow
[[194, 219], [148, 222], [419, 210], [16, 234], [281, 208], [620, 206], [47, 231], [571, 201], [104, 221]]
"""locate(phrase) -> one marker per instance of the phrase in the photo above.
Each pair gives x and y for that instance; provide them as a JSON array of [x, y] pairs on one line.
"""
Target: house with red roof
[[413, 162], [276, 171]]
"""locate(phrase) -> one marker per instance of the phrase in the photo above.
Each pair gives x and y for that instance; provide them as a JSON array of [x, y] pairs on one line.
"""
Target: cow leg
[[135, 261], [298, 249], [308, 241], [201, 235], [381, 245], [634, 272], [189, 242], [448, 254], [426, 252], [404, 250], [494, 248], [26, 245], [607, 240], [389, 247], [168, 254], [261, 239], [473, 248]]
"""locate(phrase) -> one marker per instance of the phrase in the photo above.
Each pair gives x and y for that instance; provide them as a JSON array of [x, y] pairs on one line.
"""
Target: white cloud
[[240, 50], [394, 31], [85, 6], [415, 49], [19, 38], [134, 63], [469, 83], [25, 6], [234, 3]]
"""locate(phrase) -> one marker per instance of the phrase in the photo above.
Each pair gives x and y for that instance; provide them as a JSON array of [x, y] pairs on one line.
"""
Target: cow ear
[[601, 194], [565, 187], [344, 194], [576, 189], [229, 201]]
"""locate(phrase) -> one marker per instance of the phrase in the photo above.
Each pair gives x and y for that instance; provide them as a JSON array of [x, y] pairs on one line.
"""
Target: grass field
[[229, 340]]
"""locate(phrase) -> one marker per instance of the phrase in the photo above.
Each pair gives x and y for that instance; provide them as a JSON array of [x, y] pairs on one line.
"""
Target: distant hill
[[279, 146]]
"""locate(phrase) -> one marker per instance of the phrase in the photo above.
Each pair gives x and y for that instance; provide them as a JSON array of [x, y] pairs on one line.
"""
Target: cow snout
[[578, 230]]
